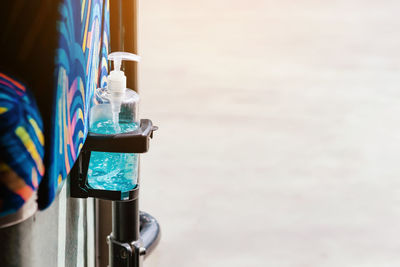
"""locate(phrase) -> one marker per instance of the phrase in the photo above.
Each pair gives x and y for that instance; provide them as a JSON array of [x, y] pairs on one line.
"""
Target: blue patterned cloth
[[79, 69], [80, 66], [21, 145]]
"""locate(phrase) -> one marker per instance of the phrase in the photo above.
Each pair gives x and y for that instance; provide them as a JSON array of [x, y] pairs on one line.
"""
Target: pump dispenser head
[[117, 57], [116, 80]]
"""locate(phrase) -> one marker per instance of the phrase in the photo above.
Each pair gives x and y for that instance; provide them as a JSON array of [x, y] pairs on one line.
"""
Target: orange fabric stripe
[[86, 27], [17, 84], [16, 184], [25, 192]]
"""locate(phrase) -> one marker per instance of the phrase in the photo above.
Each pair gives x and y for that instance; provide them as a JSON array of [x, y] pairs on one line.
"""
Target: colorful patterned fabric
[[21, 145], [81, 64]]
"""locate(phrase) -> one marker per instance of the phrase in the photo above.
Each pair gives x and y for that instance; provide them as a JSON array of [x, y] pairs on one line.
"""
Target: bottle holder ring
[[137, 141]]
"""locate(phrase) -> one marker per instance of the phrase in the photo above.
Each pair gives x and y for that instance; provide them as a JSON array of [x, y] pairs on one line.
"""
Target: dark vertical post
[[129, 21], [103, 229], [103, 207], [125, 224], [116, 28], [123, 35]]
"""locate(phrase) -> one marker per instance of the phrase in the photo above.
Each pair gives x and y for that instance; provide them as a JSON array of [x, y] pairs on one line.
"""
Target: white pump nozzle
[[117, 57], [116, 80]]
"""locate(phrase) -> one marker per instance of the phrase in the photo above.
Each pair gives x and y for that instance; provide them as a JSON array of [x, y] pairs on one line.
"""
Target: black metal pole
[[123, 35], [125, 221], [125, 246]]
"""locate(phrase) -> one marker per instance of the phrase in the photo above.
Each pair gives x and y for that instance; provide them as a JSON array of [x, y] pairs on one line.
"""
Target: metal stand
[[125, 246], [134, 234]]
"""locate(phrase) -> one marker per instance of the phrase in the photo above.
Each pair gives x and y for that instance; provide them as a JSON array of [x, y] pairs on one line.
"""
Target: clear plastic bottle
[[114, 110]]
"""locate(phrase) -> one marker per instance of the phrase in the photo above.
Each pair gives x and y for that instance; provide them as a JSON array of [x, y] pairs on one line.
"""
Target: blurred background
[[279, 132]]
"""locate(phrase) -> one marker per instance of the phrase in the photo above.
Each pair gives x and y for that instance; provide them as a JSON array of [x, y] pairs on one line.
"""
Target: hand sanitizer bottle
[[114, 110]]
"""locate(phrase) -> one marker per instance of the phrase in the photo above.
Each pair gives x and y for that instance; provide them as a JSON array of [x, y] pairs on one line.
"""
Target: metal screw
[[123, 254], [142, 251]]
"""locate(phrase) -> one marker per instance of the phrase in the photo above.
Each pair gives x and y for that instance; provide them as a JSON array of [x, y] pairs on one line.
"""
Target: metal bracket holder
[[131, 142], [134, 233]]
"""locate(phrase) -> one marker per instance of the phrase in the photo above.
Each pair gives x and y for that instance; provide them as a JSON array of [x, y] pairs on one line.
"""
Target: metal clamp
[[125, 254]]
